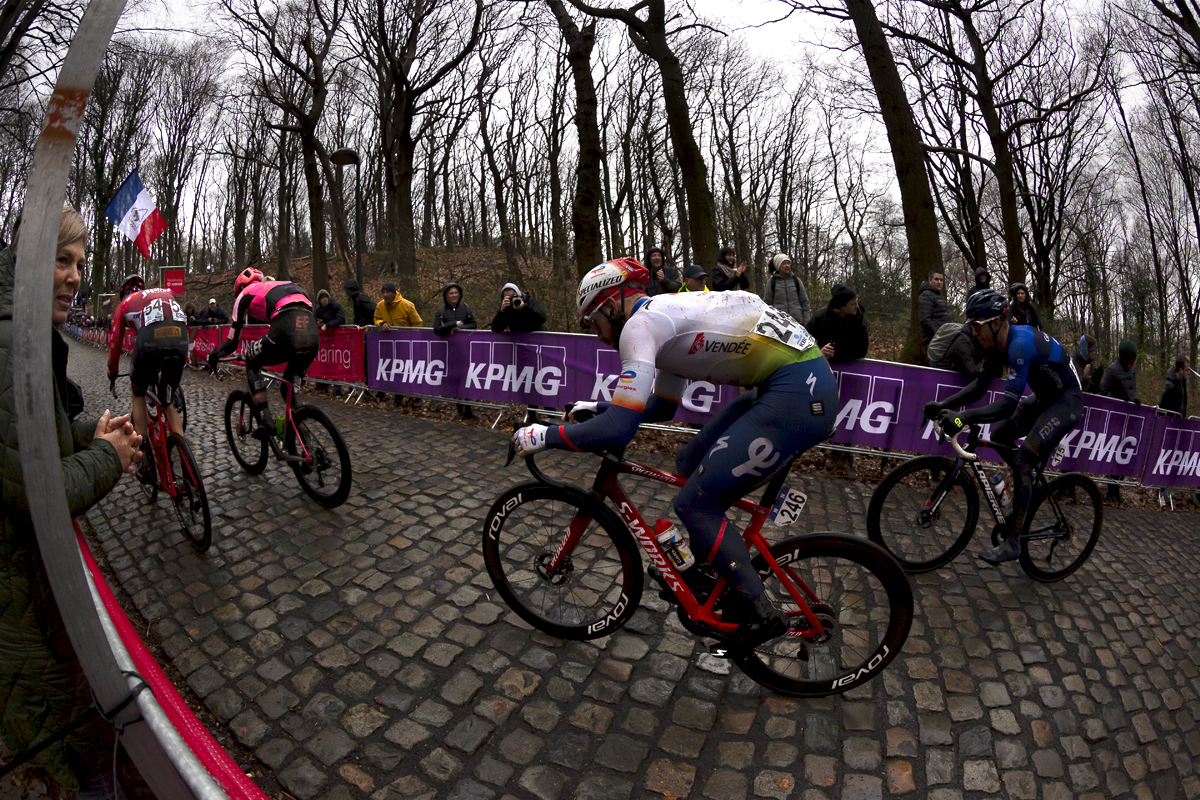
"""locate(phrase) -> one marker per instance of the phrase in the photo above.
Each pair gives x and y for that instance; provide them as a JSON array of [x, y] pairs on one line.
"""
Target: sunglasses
[[586, 323], [977, 325]]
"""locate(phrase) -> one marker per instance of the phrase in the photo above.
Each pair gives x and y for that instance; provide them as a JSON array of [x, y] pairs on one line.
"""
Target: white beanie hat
[[778, 260]]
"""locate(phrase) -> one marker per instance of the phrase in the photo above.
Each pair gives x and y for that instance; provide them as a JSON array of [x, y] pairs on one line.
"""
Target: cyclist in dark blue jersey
[[1032, 359]]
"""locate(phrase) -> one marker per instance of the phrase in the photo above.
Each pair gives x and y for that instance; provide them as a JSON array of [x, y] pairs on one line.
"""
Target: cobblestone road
[[362, 652]]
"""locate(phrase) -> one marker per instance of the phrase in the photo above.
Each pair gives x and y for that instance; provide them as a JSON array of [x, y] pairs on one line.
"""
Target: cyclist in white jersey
[[735, 338]]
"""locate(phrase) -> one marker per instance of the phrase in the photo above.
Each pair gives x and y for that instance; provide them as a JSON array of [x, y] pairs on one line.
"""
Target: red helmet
[[246, 277]]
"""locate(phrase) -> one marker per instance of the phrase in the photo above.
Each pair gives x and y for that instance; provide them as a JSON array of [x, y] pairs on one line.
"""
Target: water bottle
[[673, 544], [280, 421], [1000, 489]]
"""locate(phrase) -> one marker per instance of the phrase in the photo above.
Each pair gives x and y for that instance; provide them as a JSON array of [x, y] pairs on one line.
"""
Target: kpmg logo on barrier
[[520, 368], [871, 402], [698, 396], [1103, 437], [1183, 458], [412, 362]]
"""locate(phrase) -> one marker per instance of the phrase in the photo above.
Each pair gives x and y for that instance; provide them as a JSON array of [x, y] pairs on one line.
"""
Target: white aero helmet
[[606, 280]]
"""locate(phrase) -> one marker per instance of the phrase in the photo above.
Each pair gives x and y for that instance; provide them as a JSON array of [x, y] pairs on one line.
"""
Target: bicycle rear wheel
[[325, 475], [920, 529], [597, 586], [1064, 526], [863, 601], [248, 451], [189, 498]]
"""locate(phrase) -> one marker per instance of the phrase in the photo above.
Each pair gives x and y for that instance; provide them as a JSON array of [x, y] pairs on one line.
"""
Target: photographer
[[519, 312]]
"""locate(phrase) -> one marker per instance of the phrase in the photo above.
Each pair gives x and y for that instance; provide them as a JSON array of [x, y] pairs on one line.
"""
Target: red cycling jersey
[[137, 310]]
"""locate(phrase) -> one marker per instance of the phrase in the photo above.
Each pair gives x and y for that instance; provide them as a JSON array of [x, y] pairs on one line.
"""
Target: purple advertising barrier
[[880, 402], [541, 369], [1175, 454]]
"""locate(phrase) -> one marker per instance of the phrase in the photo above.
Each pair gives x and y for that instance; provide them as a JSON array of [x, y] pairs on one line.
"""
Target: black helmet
[[986, 305], [133, 283], [1016, 287]]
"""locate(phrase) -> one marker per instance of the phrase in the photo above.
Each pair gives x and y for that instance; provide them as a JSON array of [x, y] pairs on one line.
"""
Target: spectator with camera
[[329, 312], [519, 312]]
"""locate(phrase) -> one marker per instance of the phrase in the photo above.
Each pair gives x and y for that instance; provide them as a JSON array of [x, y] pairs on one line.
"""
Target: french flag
[[133, 211]]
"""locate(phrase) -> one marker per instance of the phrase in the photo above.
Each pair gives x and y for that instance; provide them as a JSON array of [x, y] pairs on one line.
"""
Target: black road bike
[[926, 509]]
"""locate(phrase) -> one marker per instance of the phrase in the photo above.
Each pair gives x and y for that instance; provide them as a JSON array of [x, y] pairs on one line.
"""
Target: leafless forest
[[1055, 146]]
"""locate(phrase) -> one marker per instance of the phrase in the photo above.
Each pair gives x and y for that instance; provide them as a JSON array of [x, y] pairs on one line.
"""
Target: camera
[[517, 302]]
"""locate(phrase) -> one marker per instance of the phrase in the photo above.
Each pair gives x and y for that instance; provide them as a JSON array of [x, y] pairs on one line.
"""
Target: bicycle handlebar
[[964, 454]]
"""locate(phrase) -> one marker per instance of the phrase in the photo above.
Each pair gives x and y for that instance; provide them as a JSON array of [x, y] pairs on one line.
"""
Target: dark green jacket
[[42, 686]]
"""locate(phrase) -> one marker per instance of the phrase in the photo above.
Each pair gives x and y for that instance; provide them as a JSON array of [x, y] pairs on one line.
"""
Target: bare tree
[[585, 208], [411, 46], [291, 50], [652, 37]]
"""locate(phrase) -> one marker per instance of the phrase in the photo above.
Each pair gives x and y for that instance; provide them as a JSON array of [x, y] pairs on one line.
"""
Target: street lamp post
[[343, 157]]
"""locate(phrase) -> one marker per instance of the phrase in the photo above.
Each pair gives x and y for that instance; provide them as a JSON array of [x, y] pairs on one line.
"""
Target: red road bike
[[175, 470], [568, 564]]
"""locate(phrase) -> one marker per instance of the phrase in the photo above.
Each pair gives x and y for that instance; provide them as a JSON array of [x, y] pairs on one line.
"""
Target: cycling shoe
[[758, 621], [1008, 550]]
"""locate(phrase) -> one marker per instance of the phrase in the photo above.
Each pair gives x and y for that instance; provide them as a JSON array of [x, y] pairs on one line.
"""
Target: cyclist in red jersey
[[159, 352], [292, 338]]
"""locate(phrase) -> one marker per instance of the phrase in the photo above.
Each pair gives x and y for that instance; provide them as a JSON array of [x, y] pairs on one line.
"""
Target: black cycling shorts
[[292, 340], [1043, 426], [159, 355]]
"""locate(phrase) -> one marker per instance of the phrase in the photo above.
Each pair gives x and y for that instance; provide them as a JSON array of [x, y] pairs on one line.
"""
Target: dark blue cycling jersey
[[1036, 360], [1033, 359]]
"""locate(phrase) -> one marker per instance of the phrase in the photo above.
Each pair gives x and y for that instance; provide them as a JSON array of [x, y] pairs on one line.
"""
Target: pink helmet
[[246, 277]]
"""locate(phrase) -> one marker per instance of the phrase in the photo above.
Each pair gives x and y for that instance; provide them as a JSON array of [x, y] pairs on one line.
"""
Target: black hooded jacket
[[447, 317], [1174, 396], [987, 284], [671, 281], [849, 334], [526, 319], [332, 315], [364, 307]]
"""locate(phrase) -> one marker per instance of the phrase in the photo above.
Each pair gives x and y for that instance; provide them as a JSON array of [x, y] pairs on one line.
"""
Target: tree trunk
[[282, 243], [316, 211], [702, 214], [908, 155]]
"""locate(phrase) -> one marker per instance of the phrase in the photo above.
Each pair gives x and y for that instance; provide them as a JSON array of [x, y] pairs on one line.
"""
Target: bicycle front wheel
[[861, 597], [1064, 526], [249, 451], [187, 495], [325, 473], [598, 583], [921, 527]]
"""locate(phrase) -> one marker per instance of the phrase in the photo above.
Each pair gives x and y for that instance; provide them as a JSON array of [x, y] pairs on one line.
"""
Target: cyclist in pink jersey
[[292, 338]]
